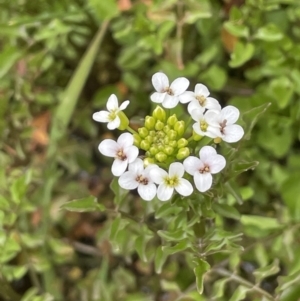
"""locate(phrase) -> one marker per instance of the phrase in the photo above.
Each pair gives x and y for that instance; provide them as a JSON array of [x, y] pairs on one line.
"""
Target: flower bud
[[183, 153], [153, 150], [137, 140], [168, 150], [159, 125], [148, 161], [152, 133], [196, 137], [161, 157], [124, 121], [182, 143], [149, 139], [166, 129], [173, 143], [172, 120], [179, 127], [166, 140], [172, 135], [145, 145], [159, 114], [217, 140], [150, 122], [143, 132]]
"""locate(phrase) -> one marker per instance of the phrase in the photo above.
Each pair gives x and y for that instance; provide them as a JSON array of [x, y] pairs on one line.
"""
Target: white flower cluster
[[151, 180]]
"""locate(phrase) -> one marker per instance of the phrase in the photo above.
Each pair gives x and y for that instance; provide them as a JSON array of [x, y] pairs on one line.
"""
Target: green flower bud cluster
[[162, 137]]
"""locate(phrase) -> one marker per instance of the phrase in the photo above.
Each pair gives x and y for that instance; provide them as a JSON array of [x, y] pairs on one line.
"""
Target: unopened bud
[[150, 122], [179, 127], [183, 153], [159, 125], [137, 140], [143, 132], [173, 143], [124, 121], [168, 150], [217, 140], [153, 150], [159, 114], [172, 120], [172, 134], [196, 137], [182, 143], [148, 161], [145, 145], [166, 129], [149, 139], [161, 157]]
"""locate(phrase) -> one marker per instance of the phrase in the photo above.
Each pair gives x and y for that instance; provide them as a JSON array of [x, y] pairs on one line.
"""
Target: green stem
[[132, 131]]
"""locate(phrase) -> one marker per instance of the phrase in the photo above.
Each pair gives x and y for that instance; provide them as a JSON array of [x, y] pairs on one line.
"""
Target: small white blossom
[[168, 95], [111, 115], [202, 169], [123, 151], [169, 181], [199, 99], [229, 132], [206, 123], [138, 177]]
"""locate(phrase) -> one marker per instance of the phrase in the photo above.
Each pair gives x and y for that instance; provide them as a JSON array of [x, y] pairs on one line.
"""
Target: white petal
[[164, 192], [197, 114], [101, 116], [201, 90], [112, 103], [192, 164], [195, 105], [137, 166], [187, 97], [127, 180], [124, 105], [147, 192], [157, 175], [233, 133], [158, 97], [132, 153], [213, 132], [176, 169], [206, 152], [108, 147], [197, 129], [179, 85], [216, 163], [203, 181], [231, 114], [212, 104], [119, 167], [184, 187], [170, 101], [125, 140], [114, 124], [213, 118], [160, 82]]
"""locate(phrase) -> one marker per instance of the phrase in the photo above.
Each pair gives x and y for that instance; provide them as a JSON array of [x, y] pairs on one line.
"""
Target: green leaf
[[119, 192], [140, 246], [240, 293], [218, 288], [284, 282], [105, 10], [282, 91], [172, 235], [11, 272], [237, 29], [160, 259], [18, 189], [82, 205], [167, 210], [201, 268], [226, 210], [269, 33], [260, 222], [266, 271], [4, 204], [181, 246], [241, 54], [8, 57]]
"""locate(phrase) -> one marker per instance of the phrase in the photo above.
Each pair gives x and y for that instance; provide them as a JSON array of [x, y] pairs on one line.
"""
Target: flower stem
[[129, 129]]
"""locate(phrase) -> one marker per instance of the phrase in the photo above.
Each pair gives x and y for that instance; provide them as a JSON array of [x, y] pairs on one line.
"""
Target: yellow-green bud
[[124, 121], [172, 120], [179, 127], [159, 125], [153, 150], [172, 134], [137, 140], [166, 129], [143, 132], [217, 140], [196, 137], [150, 122], [168, 150], [183, 153], [152, 133], [182, 142], [149, 139], [159, 114], [145, 145], [161, 157], [173, 143], [166, 140], [148, 161], [160, 147]]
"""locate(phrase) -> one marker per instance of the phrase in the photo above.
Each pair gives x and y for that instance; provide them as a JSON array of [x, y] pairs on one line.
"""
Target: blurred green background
[[59, 62]]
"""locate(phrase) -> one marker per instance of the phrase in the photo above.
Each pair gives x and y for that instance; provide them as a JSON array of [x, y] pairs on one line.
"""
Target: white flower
[[206, 124], [229, 131], [168, 95], [169, 181], [138, 177], [209, 163], [111, 115], [123, 151], [199, 99]]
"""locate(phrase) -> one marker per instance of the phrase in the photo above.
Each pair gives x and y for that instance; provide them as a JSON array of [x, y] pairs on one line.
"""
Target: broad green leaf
[[140, 246], [9, 249], [218, 287], [239, 294], [266, 271], [260, 222], [226, 210], [241, 54], [269, 33], [82, 205], [11, 272], [160, 259], [285, 282], [201, 268], [282, 91], [104, 10], [237, 29]]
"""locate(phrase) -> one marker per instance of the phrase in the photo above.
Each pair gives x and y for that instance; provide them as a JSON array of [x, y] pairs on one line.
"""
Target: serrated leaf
[[160, 259], [266, 271], [86, 204], [240, 293], [241, 54], [226, 210], [201, 268]]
